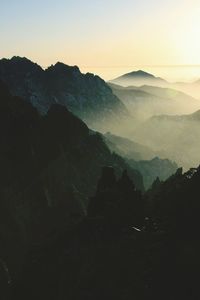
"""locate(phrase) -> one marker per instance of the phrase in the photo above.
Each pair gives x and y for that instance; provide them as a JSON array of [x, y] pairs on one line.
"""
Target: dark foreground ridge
[[106, 257], [49, 168]]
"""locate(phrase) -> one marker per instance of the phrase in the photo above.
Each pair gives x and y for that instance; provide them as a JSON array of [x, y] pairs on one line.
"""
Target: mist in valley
[[162, 119]]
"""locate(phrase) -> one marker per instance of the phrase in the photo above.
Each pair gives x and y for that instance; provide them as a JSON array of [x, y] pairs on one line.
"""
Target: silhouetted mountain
[[86, 95], [117, 201], [176, 202], [139, 78], [101, 258], [49, 168], [176, 207], [51, 174]]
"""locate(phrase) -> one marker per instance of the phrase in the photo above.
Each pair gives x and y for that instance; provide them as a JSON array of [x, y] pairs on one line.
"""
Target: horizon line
[[143, 66], [118, 66]]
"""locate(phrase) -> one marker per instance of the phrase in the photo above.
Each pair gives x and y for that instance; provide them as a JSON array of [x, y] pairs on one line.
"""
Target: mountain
[[86, 95], [106, 251], [194, 117], [50, 166], [152, 169], [176, 202], [175, 137], [141, 158], [145, 101], [117, 200], [139, 78], [127, 148], [190, 88], [168, 93]]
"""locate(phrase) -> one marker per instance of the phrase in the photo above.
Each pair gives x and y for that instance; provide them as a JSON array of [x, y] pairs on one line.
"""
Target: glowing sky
[[101, 33]]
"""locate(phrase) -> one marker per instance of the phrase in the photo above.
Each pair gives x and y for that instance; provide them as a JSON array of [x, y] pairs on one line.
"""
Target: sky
[[102, 35]]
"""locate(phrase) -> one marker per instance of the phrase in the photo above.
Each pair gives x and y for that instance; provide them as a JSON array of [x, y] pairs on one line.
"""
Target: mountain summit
[[137, 74], [139, 78]]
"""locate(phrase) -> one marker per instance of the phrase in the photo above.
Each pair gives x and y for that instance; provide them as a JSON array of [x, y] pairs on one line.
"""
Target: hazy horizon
[[176, 73], [171, 73]]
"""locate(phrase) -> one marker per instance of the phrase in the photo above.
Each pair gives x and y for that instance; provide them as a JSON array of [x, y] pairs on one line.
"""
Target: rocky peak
[[19, 64], [63, 69], [87, 96]]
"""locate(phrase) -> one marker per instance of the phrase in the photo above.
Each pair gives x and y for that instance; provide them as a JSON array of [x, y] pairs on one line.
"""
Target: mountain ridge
[[86, 95]]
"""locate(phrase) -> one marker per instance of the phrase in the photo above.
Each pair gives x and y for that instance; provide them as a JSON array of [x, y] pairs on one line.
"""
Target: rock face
[[86, 95]]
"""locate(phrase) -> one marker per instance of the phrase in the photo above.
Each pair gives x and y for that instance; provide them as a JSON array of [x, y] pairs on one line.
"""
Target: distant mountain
[[193, 117], [190, 88], [139, 78], [127, 148], [86, 95], [168, 93], [146, 100], [142, 159], [151, 169], [176, 137], [179, 118]]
